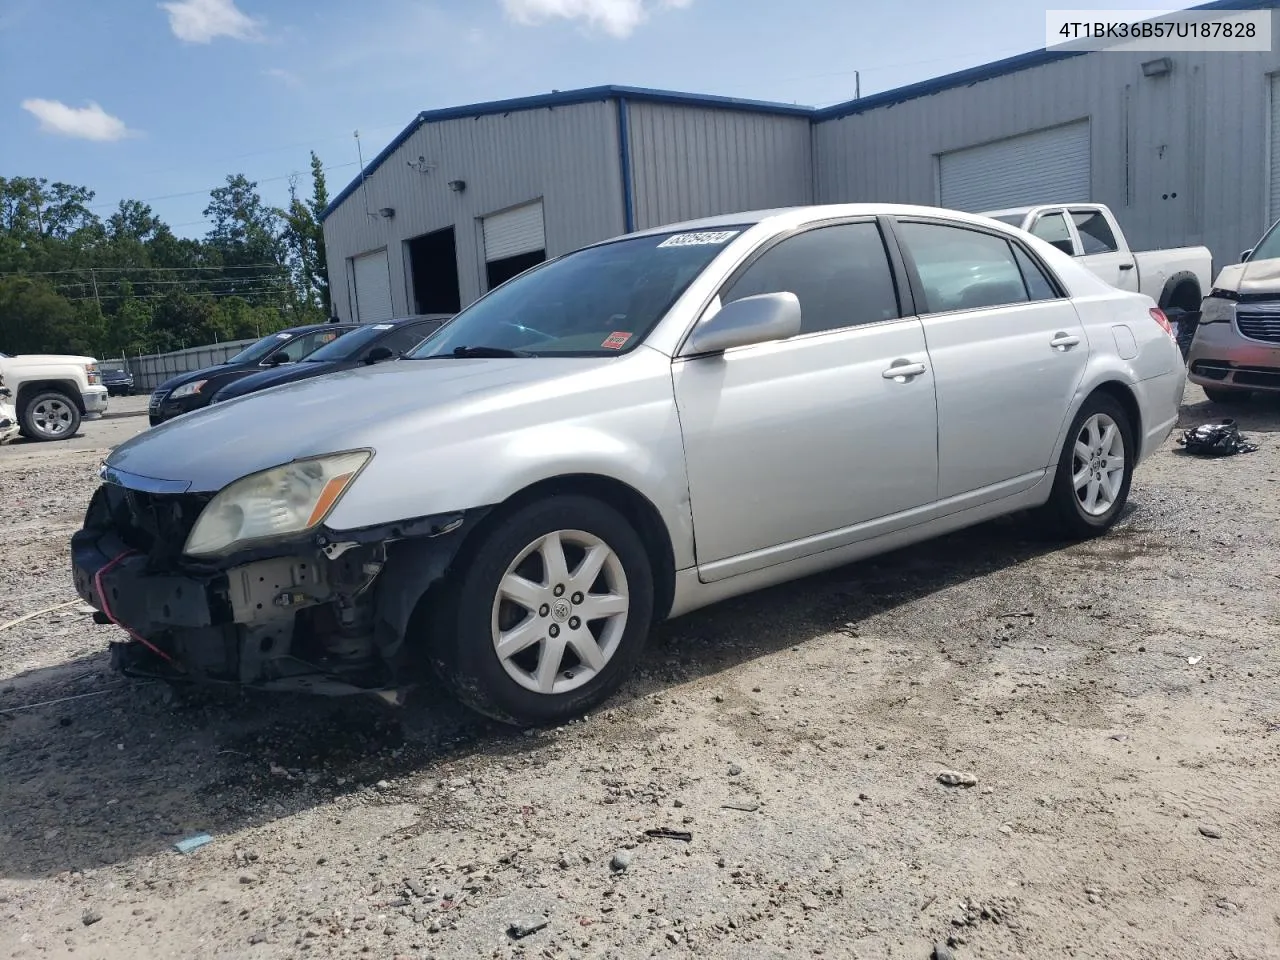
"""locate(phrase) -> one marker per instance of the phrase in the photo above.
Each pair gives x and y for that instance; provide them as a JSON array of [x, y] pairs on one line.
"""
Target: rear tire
[[1222, 395], [49, 415], [1095, 468], [514, 636]]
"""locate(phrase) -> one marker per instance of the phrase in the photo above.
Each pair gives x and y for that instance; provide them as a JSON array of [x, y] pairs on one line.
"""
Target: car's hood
[[285, 374], [1251, 277], [365, 407], [45, 358], [206, 373]]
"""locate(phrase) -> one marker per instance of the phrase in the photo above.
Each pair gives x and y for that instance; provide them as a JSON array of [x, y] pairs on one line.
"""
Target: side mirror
[[740, 323], [1246, 254], [378, 354]]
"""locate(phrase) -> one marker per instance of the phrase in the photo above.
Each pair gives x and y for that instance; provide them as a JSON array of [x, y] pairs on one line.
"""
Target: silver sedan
[[626, 433]]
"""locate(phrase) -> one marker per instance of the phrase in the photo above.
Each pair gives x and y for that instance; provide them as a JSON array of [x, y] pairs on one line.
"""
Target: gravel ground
[[1110, 711]]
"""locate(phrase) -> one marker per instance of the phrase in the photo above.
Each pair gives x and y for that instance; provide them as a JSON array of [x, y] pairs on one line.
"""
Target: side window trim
[[891, 254], [917, 286]]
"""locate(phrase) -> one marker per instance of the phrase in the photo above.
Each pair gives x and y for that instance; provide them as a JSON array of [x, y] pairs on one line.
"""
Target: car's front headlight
[[274, 503], [1218, 307], [188, 389]]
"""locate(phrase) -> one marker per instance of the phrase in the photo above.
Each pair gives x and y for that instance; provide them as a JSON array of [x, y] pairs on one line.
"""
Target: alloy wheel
[[560, 612], [52, 417], [1098, 464]]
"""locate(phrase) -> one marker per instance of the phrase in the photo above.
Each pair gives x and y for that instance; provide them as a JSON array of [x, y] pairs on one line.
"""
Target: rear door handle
[[1126, 266], [903, 370], [1063, 341]]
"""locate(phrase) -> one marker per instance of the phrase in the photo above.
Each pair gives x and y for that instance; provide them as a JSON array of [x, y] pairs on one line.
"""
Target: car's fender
[[626, 431]]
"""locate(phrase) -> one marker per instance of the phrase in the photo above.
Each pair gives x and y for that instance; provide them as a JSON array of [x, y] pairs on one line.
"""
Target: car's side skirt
[[692, 592]]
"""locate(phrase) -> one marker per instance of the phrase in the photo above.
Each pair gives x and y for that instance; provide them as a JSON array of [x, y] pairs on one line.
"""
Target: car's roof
[[795, 216], [308, 328], [1023, 211]]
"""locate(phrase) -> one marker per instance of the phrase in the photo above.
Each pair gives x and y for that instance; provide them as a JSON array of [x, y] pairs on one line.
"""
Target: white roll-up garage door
[[513, 232], [373, 287], [1274, 210], [1047, 166]]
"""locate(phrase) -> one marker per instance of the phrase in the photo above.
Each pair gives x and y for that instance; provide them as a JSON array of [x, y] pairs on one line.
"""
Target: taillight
[[1158, 316]]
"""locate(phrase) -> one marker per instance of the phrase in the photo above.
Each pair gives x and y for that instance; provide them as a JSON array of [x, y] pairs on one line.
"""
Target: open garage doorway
[[514, 241], [433, 267]]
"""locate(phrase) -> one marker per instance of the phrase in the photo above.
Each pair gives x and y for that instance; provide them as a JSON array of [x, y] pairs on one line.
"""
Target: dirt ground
[[1117, 704]]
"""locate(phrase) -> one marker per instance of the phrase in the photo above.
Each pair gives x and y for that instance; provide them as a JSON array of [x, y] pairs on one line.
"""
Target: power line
[[272, 278], [49, 273], [257, 291]]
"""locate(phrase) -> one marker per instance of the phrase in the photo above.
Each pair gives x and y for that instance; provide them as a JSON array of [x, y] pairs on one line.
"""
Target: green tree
[[33, 318]]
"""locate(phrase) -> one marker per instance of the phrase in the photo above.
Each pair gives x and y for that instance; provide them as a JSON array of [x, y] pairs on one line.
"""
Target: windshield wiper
[[486, 352]]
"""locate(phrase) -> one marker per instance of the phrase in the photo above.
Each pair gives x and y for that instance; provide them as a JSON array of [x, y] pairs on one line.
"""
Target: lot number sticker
[[615, 341], [702, 239]]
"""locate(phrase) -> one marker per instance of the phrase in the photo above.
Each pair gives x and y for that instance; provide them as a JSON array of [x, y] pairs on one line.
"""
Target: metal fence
[[151, 370]]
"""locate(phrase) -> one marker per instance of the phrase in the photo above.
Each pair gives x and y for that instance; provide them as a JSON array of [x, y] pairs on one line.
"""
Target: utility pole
[[94, 277], [857, 85]]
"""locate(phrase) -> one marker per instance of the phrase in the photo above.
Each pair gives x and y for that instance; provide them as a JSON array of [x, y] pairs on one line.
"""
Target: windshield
[[1268, 247], [599, 301], [113, 371], [256, 351], [349, 344]]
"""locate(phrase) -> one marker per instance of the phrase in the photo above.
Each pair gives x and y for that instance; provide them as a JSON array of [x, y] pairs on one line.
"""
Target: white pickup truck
[[1176, 279], [52, 393]]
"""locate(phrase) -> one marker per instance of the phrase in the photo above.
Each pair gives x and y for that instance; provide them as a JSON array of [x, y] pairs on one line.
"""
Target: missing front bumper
[[330, 617]]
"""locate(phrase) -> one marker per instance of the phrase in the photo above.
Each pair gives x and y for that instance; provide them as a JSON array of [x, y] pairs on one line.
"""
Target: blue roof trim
[[563, 99], [989, 71]]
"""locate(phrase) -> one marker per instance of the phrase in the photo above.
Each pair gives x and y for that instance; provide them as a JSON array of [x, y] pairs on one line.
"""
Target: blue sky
[[160, 101]]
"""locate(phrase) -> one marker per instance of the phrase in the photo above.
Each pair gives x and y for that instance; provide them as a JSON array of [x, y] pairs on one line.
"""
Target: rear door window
[[962, 269], [1096, 235], [1052, 228]]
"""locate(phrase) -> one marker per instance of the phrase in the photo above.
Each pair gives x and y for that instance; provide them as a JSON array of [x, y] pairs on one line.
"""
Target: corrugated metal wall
[[567, 155], [689, 162], [1182, 159]]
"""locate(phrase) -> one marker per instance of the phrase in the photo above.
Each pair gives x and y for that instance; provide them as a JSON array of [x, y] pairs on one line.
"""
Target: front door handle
[[1126, 266], [903, 370], [1063, 341]]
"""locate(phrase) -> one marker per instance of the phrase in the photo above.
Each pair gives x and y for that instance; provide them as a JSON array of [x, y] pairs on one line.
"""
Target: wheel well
[[30, 389], [1182, 292], [1124, 396], [638, 510]]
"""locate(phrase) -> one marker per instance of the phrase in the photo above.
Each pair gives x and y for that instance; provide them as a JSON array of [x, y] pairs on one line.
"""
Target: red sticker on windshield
[[615, 341]]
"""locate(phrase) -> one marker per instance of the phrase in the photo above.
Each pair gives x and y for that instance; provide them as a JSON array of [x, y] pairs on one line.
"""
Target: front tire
[[1095, 468], [50, 416], [549, 612]]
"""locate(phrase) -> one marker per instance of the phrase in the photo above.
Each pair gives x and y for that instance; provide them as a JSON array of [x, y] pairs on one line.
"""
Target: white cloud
[[89, 122], [615, 17], [287, 77], [201, 21]]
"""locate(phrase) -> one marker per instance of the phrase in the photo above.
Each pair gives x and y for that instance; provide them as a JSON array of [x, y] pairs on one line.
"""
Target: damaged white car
[[626, 433], [9, 425]]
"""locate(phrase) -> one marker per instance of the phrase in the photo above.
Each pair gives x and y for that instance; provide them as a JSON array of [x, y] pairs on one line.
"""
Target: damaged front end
[[325, 612]]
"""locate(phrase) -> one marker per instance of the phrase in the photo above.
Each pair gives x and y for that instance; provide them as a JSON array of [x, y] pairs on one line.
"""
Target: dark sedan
[[369, 344], [117, 380], [191, 391]]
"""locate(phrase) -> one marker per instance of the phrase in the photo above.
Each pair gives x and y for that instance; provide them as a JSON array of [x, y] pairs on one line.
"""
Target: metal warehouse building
[[1184, 147]]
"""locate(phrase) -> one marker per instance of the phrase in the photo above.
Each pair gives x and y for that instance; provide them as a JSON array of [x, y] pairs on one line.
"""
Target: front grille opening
[[1210, 370]]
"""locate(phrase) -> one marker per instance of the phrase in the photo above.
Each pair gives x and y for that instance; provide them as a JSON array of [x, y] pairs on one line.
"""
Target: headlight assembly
[[1218, 307], [187, 389], [275, 503]]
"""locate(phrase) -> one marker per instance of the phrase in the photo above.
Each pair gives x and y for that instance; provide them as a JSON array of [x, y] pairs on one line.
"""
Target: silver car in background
[[1236, 350], [626, 433]]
